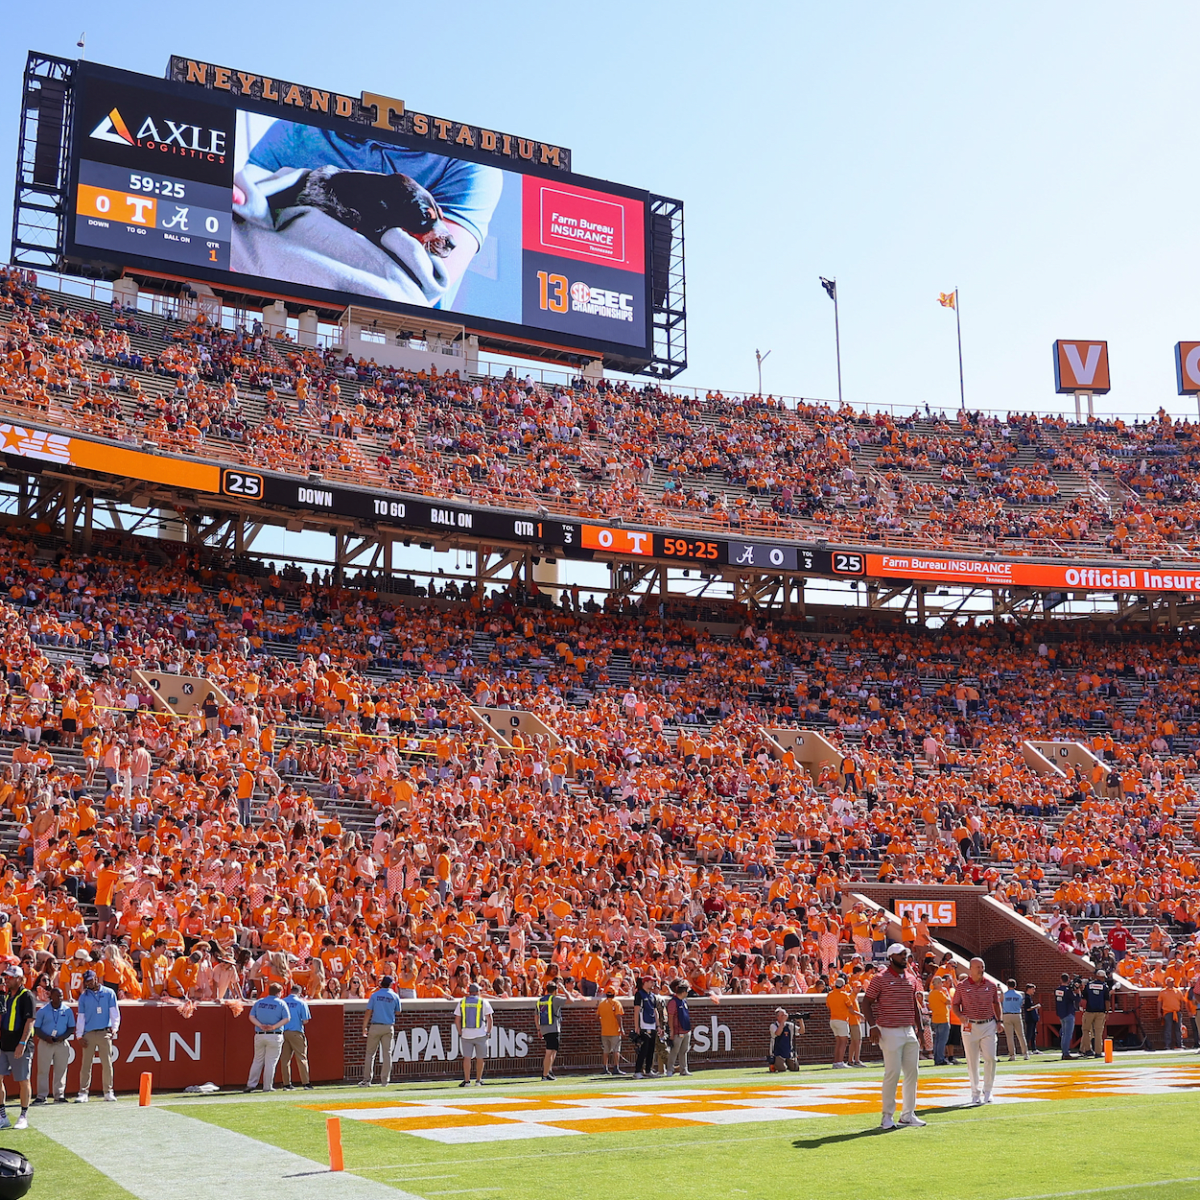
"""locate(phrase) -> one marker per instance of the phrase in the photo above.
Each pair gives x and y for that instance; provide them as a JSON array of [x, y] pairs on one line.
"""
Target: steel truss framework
[[77, 508], [40, 198]]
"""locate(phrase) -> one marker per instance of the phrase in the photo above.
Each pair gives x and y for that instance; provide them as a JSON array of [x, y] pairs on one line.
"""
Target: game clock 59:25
[[700, 550]]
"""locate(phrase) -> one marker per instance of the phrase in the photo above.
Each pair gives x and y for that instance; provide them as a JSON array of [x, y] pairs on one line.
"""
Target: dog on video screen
[[371, 203]]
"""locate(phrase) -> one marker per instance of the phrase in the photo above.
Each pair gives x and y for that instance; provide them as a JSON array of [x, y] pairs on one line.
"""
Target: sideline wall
[[216, 1045]]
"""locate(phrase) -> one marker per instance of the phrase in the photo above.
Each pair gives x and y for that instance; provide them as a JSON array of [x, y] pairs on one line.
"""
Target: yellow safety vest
[[471, 1012], [12, 1009]]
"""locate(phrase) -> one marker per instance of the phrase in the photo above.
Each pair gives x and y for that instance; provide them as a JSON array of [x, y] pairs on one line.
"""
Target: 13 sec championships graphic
[[226, 185]]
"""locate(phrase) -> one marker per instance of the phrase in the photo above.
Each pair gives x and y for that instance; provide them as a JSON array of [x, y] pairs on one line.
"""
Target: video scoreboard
[[239, 187]]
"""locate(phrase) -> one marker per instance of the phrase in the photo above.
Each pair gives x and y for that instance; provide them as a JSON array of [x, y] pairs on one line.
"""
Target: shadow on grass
[[832, 1139]]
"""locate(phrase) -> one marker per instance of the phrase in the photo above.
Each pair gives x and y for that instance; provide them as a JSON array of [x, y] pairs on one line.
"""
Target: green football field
[[1055, 1130]]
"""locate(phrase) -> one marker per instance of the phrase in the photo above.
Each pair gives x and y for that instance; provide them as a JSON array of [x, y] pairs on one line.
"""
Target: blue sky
[[1040, 157]]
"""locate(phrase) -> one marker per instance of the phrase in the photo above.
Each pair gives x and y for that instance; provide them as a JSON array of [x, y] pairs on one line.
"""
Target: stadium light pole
[[761, 358], [830, 286]]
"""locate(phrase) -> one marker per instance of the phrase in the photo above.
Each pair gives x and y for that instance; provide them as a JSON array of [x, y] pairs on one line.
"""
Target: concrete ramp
[[1063, 755], [178, 694], [500, 724], [810, 749]]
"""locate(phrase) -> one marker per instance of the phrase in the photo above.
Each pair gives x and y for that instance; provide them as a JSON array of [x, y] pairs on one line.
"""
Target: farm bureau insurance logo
[[190, 141], [600, 302], [585, 225]]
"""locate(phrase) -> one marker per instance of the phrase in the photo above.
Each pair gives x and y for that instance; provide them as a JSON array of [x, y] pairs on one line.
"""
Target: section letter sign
[[1080, 366], [1187, 368]]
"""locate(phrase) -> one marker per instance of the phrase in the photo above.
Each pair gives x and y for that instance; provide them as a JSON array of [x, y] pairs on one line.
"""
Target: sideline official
[[474, 1021], [16, 1042], [268, 1015], [295, 1041], [379, 1020], [892, 1011], [52, 1027], [549, 1008], [96, 1025]]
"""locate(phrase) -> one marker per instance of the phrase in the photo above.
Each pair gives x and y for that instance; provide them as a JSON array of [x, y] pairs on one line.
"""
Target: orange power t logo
[[113, 129]]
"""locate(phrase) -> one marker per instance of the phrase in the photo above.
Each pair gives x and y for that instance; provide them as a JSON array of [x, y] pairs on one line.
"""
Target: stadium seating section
[[343, 814]]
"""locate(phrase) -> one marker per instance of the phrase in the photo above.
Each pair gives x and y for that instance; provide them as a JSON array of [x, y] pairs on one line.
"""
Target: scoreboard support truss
[[40, 197]]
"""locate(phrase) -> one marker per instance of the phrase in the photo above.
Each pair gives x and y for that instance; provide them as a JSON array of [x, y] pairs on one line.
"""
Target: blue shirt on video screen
[[467, 191]]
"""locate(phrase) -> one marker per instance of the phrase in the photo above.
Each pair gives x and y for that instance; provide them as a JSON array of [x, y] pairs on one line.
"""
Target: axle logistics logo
[[191, 141]]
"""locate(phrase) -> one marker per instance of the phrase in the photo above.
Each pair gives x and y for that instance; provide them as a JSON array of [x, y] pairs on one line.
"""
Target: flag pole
[[962, 393], [837, 341]]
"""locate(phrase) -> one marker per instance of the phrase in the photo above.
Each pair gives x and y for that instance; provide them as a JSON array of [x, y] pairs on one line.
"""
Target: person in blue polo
[[53, 1027], [97, 1024], [268, 1015], [295, 1040], [383, 1008]]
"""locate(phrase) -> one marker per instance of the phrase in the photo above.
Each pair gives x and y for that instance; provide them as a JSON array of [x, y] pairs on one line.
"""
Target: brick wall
[[987, 928], [733, 1033]]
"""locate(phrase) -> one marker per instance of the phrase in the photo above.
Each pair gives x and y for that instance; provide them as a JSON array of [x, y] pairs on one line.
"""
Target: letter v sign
[[1085, 372]]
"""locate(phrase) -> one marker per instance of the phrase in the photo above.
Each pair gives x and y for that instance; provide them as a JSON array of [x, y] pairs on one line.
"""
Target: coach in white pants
[[977, 1002], [893, 1012], [268, 1015]]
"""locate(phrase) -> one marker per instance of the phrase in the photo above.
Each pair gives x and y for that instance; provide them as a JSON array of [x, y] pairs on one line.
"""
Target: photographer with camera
[[1066, 1005], [785, 1032]]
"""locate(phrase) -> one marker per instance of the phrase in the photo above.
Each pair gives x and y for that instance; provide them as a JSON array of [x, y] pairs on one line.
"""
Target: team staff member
[[379, 1020], [295, 1040], [645, 1005], [679, 1026], [52, 1027], [977, 1002], [1012, 1004], [893, 1011], [1097, 1004], [1032, 1015], [268, 1015], [549, 1008], [838, 1003], [1066, 1004], [939, 1015], [16, 1042], [97, 1023], [473, 1020], [610, 1011]]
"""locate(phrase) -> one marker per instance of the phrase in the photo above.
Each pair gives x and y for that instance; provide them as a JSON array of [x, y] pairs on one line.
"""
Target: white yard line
[[159, 1155]]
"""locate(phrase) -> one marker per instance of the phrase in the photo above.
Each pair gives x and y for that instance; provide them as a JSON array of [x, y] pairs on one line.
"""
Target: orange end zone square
[[402, 1124], [626, 1124]]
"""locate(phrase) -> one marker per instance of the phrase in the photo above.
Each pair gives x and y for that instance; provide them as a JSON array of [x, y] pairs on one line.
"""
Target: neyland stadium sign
[[369, 109]]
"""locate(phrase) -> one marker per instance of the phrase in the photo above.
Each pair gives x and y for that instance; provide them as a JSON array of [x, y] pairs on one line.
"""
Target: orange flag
[[946, 299]]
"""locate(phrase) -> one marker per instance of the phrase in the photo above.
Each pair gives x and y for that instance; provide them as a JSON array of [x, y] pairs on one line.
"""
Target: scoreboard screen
[[153, 180], [230, 189]]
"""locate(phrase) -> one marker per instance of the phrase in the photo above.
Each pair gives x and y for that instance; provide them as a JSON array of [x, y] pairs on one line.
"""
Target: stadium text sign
[[371, 108], [934, 912]]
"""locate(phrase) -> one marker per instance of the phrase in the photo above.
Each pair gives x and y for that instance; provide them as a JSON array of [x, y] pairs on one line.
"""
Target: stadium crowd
[[646, 454], [339, 813]]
